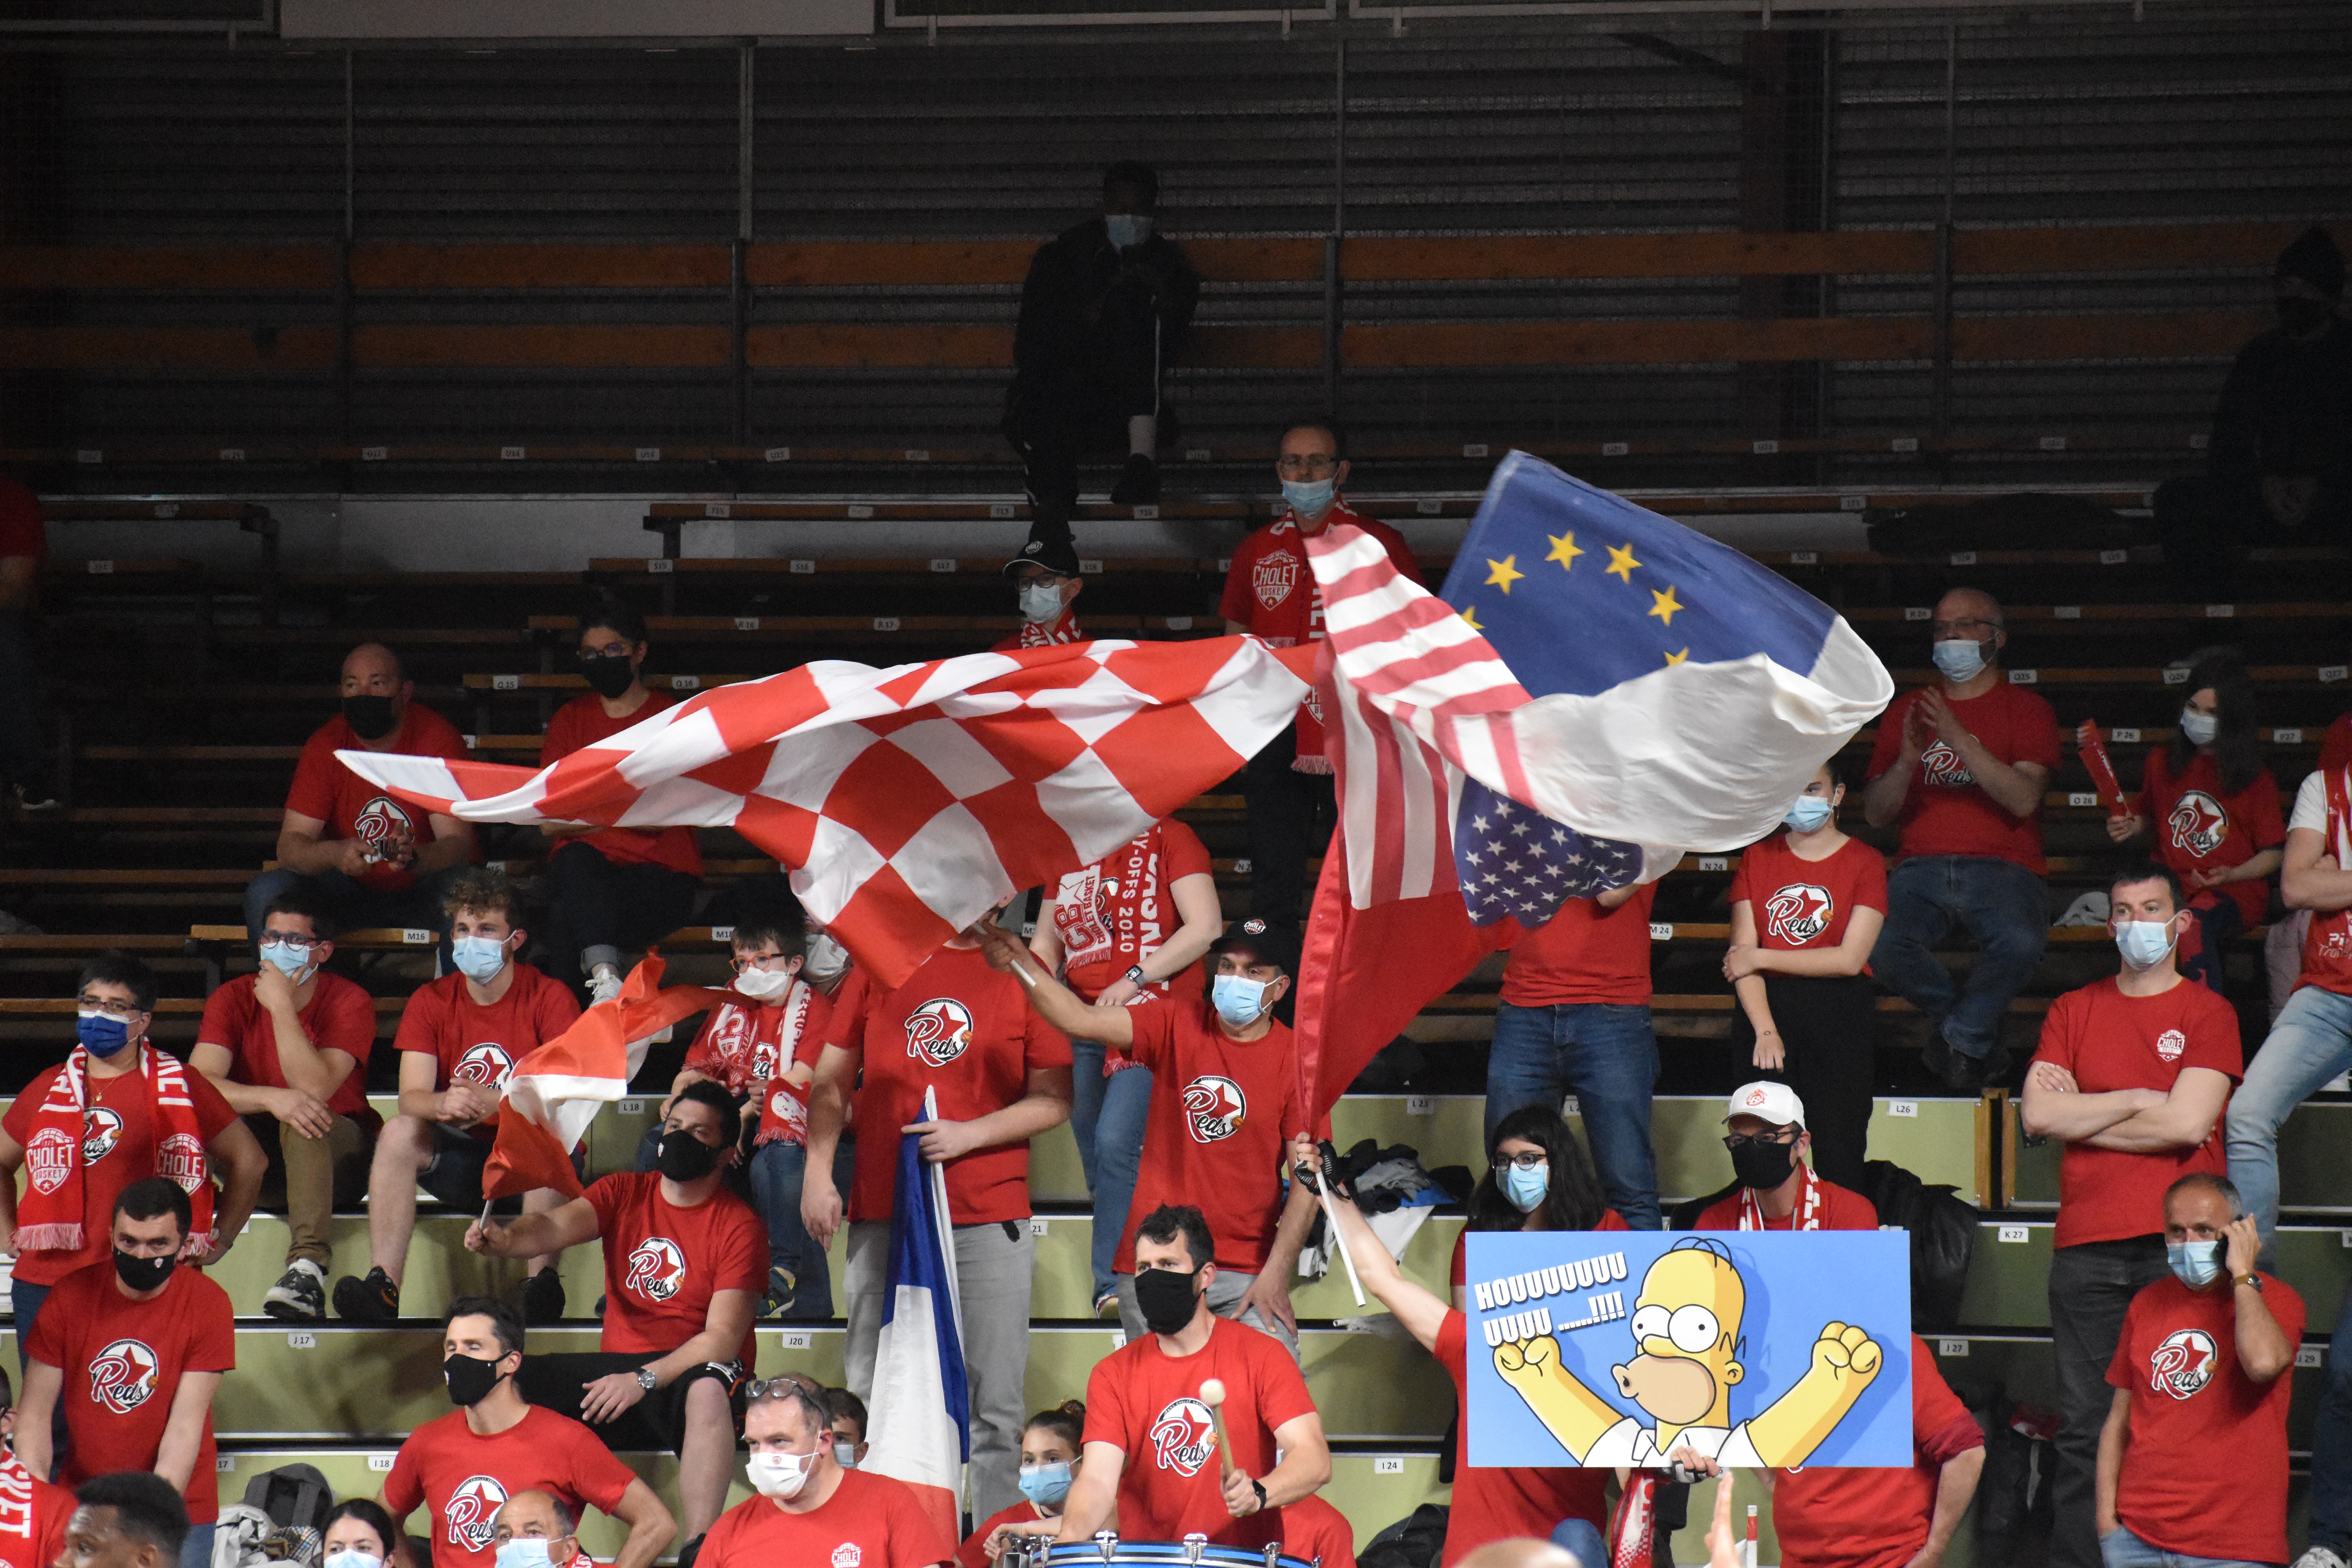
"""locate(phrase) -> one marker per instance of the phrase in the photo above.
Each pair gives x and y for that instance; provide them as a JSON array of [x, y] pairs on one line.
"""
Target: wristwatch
[[645, 1379], [1134, 976], [1258, 1486], [2254, 1279]]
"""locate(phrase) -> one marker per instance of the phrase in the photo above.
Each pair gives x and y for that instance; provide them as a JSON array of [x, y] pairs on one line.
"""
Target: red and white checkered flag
[[907, 802]]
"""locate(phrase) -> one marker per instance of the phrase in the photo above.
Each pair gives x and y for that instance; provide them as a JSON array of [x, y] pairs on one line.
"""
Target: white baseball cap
[[1774, 1102]]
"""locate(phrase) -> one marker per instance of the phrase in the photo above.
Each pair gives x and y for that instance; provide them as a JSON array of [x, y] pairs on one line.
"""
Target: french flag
[[921, 1403]]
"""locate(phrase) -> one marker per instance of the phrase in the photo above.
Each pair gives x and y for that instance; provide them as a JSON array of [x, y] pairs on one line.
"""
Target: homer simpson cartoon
[[1686, 1341]]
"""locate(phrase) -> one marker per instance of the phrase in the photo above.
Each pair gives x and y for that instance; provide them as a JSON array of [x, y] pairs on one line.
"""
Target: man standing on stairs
[[1270, 593], [371, 860], [2131, 1074], [459, 1039], [1961, 766]]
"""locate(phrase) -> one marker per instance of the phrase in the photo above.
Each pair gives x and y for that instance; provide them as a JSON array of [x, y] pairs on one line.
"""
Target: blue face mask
[[286, 958], [1045, 1485], [1310, 499], [1238, 1000], [2144, 943], [1128, 230], [524, 1552], [1809, 813], [101, 1035], [1525, 1186], [2195, 1264], [2199, 729], [479, 958], [1960, 659], [352, 1560]]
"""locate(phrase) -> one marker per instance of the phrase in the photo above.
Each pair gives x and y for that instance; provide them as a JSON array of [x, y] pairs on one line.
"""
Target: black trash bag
[[2013, 1498], [1416, 1541], [1943, 1238]]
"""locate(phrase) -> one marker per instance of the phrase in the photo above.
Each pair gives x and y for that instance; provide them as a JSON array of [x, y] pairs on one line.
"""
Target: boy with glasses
[[288, 1046]]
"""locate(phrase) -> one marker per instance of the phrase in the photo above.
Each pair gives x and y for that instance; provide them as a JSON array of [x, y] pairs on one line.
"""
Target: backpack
[[1943, 1239], [1416, 1541], [283, 1519]]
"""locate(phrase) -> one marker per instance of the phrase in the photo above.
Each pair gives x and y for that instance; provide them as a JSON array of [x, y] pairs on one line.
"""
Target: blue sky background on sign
[[1794, 1284]]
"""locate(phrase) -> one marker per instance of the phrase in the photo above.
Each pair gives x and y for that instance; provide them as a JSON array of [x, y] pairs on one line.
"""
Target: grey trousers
[[1226, 1293], [992, 1279]]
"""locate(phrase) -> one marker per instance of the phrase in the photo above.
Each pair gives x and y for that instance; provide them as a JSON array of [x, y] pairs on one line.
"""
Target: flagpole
[[1339, 1237]]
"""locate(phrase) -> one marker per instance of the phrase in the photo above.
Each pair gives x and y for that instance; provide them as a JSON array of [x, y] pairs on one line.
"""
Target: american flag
[[907, 802]]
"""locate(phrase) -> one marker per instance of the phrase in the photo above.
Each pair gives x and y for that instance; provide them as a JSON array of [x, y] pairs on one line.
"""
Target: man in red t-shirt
[[1961, 766], [1219, 1132], [288, 1046], [2131, 1076], [612, 887], [540, 1516], [1842, 1516], [1152, 1450], [685, 1262], [33, 1513], [959, 1029], [810, 1510], [24, 546], [1774, 1188], [1574, 1019], [103, 1119], [2193, 1457], [463, 1467], [459, 1039], [134, 1351], [1270, 593], [1046, 577], [374, 860]]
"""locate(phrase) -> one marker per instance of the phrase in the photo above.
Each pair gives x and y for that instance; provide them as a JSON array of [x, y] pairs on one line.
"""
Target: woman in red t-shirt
[[1050, 1448], [1805, 909], [2215, 810]]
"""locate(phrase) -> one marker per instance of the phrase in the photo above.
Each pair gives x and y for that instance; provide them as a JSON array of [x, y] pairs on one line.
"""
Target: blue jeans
[[2004, 909], [1603, 1053], [2121, 1548], [777, 1170], [2091, 1288], [2331, 1443], [2310, 1042], [197, 1550], [1580, 1539], [1106, 1116], [25, 1299]]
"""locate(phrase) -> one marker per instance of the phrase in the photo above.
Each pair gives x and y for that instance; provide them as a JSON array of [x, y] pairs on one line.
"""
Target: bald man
[[1960, 766], [370, 859], [537, 1516]]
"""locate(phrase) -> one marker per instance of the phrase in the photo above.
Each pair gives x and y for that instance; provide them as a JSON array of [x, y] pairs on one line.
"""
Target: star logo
[[1504, 573], [1622, 563], [2198, 824], [1674, 658], [1564, 550], [1665, 605], [1471, 618]]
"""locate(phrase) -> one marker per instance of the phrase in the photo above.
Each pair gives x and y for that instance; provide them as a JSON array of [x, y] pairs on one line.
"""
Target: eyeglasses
[[776, 1387], [759, 961], [1530, 1162], [1965, 628], [90, 1003], [1736, 1142], [1311, 466], [288, 939]]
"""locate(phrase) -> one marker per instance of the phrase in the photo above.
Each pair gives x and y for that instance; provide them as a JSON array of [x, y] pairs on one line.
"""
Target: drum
[[1108, 1550]]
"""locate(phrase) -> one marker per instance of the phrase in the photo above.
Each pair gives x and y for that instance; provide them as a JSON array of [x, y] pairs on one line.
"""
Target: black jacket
[[2287, 409], [1081, 296]]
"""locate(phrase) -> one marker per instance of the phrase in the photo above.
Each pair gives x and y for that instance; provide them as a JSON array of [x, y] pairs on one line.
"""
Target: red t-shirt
[[583, 721], [1221, 1111], [475, 1044], [745, 1042], [466, 1478], [1121, 910], [1314, 1531], [121, 1361], [340, 1016], [1946, 813], [33, 1516], [2205, 1473], [1841, 1208], [1800, 904], [2198, 828], [1148, 1404], [1610, 1220], [1500, 1502], [353, 808], [1270, 588], [1830, 1516], [961, 1028], [1585, 953], [663, 1263], [118, 1148], [2110, 1041], [24, 530], [869, 1521], [973, 1552]]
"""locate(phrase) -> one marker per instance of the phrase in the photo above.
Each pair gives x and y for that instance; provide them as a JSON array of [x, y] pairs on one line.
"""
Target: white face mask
[[826, 958], [778, 1476], [763, 984], [1041, 603]]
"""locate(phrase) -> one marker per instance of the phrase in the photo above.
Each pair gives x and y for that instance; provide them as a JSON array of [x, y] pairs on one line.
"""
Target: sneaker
[[1968, 1075], [374, 1300], [782, 1289], [1107, 1304], [2319, 1557], [300, 1294], [605, 985], [35, 799], [1139, 482], [542, 1298]]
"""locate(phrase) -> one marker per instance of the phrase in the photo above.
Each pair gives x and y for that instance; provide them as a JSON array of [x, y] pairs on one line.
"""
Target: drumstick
[[1213, 1395]]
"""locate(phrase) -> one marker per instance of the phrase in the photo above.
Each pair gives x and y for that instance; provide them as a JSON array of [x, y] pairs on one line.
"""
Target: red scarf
[[2327, 943], [21, 1502], [1063, 628], [49, 1215], [1806, 1216], [749, 1040]]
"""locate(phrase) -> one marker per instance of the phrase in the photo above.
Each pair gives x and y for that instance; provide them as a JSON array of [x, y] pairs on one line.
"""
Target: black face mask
[[1763, 1166], [142, 1273], [683, 1157], [470, 1379], [609, 674], [370, 717], [1166, 1300], [2302, 316]]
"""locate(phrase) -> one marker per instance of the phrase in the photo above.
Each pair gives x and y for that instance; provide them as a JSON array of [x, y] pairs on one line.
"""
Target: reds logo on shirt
[[1214, 1108], [2182, 1365], [848, 1554], [49, 1159], [1939, 764], [122, 1376], [939, 1031], [2198, 824], [486, 1063], [382, 826], [1273, 576], [657, 1268], [1798, 912], [1183, 1437], [101, 1129], [2171, 1044], [472, 1507]]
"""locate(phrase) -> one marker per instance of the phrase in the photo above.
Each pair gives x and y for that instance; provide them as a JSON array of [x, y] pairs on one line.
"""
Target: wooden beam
[[2124, 249], [540, 267], [167, 267], [149, 349], [541, 348], [2187, 334], [1467, 345]]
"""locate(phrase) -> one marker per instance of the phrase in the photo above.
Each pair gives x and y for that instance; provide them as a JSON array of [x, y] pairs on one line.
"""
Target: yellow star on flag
[[1677, 657], [1564, 550], [1666, 605], [1504, 573], [1471, 615], [1622, 563]]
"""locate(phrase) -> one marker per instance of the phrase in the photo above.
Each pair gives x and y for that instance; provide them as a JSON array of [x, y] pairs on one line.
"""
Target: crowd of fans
[[1136, 1013]]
